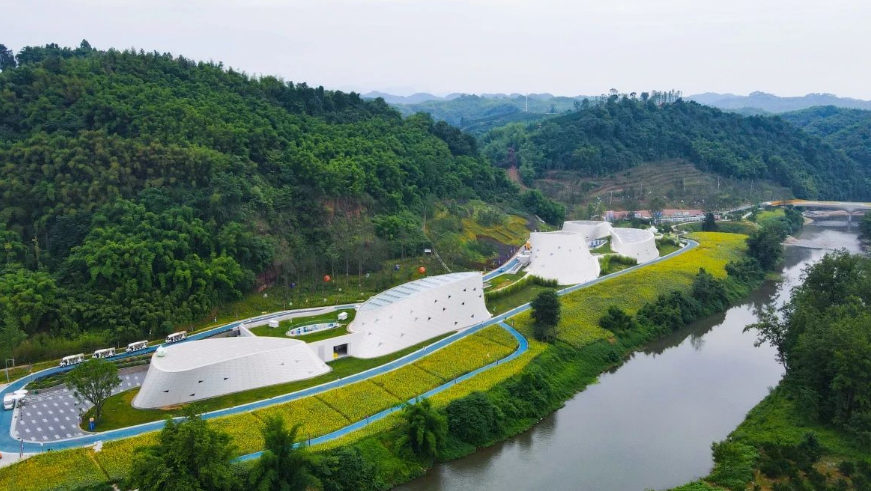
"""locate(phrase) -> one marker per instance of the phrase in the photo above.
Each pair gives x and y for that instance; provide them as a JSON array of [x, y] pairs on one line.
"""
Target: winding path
[[9, 444]]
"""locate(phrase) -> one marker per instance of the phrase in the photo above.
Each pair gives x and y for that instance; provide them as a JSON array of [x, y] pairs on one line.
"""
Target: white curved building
[[208, 368], [562, 256], [416, 311], [592, 230], [634, 242]]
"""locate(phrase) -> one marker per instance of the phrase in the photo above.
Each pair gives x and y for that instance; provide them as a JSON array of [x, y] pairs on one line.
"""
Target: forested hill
[[618, 134], [137, 190], [762, 102], [848, 130]]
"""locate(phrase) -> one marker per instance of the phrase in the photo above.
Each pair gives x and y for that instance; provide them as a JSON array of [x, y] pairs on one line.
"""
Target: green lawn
[[603, 249], [119, 413], [666, 248], [504, 280], [284, 326], [613, 267], [520, 297]]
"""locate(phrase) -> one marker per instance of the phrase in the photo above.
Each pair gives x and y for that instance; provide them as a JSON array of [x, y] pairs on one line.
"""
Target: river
[[649, 423]]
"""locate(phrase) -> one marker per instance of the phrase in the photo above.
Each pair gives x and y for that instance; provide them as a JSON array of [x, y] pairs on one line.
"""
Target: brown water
[[649, 424]]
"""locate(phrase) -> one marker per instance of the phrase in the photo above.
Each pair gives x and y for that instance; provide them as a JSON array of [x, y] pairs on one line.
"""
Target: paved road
[[53, 415], [9, 444]]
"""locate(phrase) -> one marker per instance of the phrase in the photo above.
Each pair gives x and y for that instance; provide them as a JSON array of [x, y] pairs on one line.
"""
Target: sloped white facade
[[592, 230], [562, 256], [416, 311], [633, 242], [198, 370]]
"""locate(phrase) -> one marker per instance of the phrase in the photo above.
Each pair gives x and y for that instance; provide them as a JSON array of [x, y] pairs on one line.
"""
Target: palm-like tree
[[282, 466], [425, 429]]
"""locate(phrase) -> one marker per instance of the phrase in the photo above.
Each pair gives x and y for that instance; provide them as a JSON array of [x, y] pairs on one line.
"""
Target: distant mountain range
[[755, 103], [762, 102], [424, 97]]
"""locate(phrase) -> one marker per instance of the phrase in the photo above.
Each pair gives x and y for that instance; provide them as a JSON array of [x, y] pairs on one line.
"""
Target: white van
[[177, 336], [104, 353], [8, 402], [137, 346], [72, 360]]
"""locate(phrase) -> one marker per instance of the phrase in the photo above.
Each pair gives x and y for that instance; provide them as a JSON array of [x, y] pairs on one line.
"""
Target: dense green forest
[[139, 190], [848, 130], [606, 137]]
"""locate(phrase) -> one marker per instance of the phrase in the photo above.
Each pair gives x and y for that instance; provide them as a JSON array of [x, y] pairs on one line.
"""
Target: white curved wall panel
[[416, 311], [197, 370], [633, 242]]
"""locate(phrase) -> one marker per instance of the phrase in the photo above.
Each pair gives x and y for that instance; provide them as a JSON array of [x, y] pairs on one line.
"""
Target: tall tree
[[282, 466], [656, 205], [546, 314], [7, 59], [94, 381], [189, 456], [425, 430], [710, 223]]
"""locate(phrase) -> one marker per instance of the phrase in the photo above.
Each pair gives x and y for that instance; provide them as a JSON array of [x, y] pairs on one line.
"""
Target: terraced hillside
[[678, 182]]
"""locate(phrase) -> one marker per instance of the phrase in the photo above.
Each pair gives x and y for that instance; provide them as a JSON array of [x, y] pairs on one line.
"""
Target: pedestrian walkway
[[55, 414]]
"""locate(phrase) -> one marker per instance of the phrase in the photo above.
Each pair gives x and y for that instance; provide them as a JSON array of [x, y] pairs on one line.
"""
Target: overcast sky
[[565, 47]]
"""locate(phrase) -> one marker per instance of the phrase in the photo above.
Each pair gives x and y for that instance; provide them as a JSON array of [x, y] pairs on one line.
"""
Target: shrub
[[847, 468], [615, 320], [475, 419], [546, 313], [733, 464]]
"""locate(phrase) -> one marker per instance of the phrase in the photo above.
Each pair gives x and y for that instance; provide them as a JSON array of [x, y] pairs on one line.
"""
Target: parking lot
[[54, 414]]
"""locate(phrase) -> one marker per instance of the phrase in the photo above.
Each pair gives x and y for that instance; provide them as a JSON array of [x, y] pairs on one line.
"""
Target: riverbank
[[782, 443]]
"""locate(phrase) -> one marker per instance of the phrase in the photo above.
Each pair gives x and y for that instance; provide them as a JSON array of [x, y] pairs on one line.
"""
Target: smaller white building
[[634, 242], [562, 256]]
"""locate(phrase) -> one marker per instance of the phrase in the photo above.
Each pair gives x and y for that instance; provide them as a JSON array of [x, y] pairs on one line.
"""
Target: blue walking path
[[9, 444]]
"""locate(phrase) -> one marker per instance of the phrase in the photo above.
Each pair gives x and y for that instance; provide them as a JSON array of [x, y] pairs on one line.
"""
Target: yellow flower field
[[244, 429], [490, 378], [315, 417], [359, 400], [57, 471], [116, 456], [465, 355], [407, 382]]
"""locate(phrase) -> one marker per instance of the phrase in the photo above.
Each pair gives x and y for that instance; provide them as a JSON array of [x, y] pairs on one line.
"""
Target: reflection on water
[[649, 423]]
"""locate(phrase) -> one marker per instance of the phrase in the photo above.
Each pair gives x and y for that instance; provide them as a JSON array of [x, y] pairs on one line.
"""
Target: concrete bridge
[[848, 206]]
